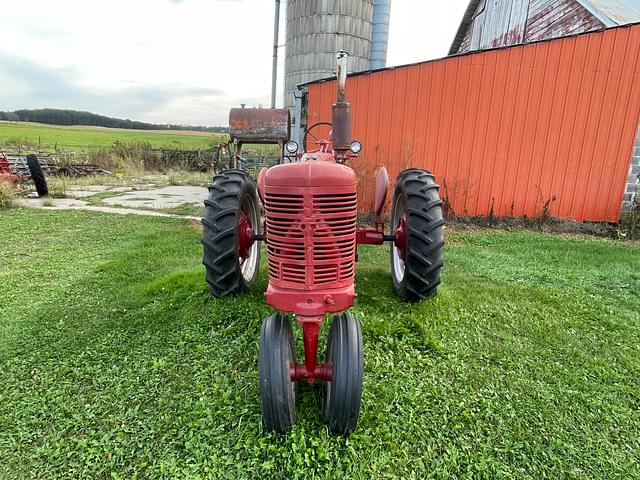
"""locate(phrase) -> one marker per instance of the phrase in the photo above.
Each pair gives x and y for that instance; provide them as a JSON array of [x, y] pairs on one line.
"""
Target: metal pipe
[[341, 74], [297, 128], [379, 34], [341, 111], [274, 68]]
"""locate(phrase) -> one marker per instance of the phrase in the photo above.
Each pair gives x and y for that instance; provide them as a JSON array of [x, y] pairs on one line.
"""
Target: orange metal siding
[[505, 131]]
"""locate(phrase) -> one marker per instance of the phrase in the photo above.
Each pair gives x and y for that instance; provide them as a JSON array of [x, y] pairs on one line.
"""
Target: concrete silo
[[317, 29]]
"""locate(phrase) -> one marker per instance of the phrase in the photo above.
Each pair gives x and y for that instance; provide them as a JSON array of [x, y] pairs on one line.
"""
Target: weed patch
[[7, 195]]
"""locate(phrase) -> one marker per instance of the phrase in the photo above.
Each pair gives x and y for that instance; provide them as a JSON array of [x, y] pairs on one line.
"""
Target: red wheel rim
[[401, 237], [245, 237]]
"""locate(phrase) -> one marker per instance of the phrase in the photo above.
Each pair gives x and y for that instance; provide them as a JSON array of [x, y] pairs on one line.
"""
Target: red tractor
[[311, 235], [13, 176]]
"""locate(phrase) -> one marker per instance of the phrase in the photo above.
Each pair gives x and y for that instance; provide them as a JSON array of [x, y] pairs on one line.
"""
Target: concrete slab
[[79, 193], [132, 199], [75, 204], [166, 197], [54, 203]]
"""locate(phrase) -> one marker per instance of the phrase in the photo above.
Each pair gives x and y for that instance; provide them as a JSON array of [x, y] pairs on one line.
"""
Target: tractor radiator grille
[[311, 238]]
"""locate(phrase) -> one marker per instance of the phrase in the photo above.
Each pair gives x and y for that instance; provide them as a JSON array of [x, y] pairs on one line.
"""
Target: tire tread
[[425, 232], [220, 223]]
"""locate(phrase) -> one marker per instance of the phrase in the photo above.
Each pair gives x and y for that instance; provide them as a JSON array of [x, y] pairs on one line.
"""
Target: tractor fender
[[261, 175], [380, 193]]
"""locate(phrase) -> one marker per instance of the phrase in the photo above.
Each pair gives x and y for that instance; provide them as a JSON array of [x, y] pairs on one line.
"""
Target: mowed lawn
[[72, 137], [116, 363]]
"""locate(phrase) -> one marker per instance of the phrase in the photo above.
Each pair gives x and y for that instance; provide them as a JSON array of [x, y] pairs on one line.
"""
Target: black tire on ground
[[230, 193], [37, 175], [277, 391], [417, 276], [343, 393]]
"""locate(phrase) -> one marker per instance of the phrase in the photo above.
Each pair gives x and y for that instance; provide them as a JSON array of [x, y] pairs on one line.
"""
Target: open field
[[50, 136], [117, 363]]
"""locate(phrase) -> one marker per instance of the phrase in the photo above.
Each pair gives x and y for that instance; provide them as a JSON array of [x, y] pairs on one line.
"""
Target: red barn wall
[[505, 131]]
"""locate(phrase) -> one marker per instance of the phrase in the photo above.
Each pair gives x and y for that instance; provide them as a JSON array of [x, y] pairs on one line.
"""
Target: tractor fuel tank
[[259, 125]]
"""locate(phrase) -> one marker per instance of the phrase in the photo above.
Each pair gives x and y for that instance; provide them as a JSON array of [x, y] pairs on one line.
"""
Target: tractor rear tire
[[37, 175], [277, 390], [343, 393], [416, 202], [230, 193]]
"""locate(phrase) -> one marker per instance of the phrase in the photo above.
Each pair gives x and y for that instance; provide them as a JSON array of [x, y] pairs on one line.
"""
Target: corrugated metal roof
[[610, 12], [618, 12]]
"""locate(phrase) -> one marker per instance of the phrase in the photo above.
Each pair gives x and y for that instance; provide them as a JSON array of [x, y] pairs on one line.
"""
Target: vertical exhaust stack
[[341, 111]]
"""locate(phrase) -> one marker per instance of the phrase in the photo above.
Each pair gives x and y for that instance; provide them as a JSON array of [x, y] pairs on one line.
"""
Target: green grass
[[98, 198], [73, 137], [184, 209], [116, 363]]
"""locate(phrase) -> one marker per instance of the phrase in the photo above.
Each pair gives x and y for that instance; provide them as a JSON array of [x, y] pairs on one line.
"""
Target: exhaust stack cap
[[341, 74]]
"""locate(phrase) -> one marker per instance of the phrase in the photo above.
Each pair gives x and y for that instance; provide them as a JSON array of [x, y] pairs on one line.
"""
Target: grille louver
[[311, 237]]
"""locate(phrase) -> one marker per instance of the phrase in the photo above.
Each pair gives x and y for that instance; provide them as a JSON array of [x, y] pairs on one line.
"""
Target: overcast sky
[[171, 61]]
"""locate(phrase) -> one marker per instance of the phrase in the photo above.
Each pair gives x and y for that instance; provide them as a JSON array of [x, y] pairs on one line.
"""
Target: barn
[[511, 124], [500, 23]]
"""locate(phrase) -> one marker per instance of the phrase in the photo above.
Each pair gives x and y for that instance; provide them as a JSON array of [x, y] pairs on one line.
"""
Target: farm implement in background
[[80, 170], [261, 126], [311, 235], [16, 169]]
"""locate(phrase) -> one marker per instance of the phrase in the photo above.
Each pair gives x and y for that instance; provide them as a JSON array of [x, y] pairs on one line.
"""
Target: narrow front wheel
[[344, 391], [277, 390]]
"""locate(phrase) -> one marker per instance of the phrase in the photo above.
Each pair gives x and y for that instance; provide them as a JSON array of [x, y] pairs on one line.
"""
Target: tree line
[[56, 116]]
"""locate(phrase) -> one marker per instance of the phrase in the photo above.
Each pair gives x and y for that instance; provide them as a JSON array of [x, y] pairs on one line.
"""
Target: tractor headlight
[[355, 147], [291, 146]]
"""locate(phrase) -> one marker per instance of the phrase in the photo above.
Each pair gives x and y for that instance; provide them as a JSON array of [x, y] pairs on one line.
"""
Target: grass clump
[[184, 177], [58, 185], [184, 209], [7, 195], [629, 227]]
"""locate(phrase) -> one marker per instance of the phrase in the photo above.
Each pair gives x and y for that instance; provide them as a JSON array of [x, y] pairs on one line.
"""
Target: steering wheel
[[315, 137], [219, 162]]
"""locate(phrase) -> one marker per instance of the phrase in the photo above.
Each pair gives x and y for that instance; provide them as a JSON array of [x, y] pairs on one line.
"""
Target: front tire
[[417, 222], [343, 393], [37, 175], [277, 390], [232, 200]]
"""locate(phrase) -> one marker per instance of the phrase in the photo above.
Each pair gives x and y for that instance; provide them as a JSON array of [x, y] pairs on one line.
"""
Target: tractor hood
[[314, 173]]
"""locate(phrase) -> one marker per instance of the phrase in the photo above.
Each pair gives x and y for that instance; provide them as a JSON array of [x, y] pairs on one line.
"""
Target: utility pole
[[274, 71]]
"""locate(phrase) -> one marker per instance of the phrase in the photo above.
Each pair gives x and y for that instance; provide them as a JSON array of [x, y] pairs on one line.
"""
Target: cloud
[[26, 84]]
